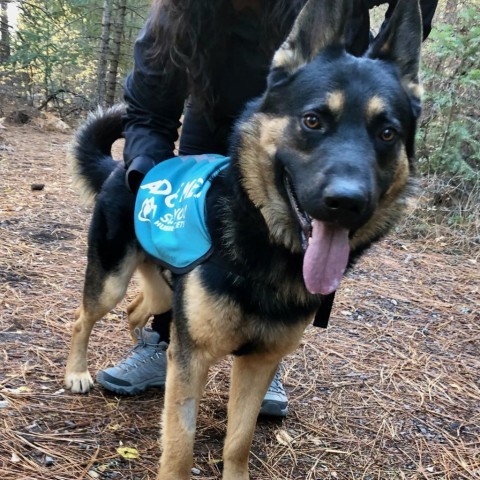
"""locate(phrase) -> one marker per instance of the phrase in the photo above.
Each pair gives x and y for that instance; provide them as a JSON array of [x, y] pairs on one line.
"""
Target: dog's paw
[[78, 382]]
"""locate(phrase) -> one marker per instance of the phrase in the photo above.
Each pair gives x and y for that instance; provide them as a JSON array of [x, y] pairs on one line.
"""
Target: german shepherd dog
[[321, 167]]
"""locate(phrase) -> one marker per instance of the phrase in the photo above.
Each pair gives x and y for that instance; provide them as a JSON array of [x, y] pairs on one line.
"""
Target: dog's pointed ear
[[400, 42], [321, 23]]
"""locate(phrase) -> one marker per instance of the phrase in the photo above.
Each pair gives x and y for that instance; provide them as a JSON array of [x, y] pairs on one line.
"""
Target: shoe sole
[[273, 409], [121, 390], [268, 408]]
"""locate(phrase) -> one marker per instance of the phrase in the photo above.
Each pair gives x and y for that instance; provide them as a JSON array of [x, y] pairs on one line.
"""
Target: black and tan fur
[[249, 299]]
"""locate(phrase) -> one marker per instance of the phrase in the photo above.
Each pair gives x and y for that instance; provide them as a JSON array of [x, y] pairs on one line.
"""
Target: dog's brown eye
[[388, 135], [311, 121]]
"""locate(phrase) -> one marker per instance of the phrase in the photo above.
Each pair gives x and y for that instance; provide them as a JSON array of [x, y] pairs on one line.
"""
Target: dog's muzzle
[[326, 246]]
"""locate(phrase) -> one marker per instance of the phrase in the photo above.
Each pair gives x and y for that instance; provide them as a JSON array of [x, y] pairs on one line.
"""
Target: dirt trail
[[389, 391]]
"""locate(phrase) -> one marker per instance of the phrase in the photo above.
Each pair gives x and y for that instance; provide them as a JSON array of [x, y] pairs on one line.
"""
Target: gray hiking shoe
[[145, 367], [275, 403]]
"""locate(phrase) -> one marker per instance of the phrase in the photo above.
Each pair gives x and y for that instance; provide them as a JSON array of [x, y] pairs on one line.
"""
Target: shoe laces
[[142, 352], [276, 386]]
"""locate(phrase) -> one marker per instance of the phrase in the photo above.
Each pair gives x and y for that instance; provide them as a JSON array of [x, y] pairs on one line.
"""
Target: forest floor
[[390, 390]]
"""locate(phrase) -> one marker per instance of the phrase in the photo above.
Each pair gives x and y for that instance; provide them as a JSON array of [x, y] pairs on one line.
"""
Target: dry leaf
[[283, 438], [128, 453]]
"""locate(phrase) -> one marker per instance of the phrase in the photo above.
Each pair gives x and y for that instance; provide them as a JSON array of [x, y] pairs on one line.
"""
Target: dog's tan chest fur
[[207, 313]]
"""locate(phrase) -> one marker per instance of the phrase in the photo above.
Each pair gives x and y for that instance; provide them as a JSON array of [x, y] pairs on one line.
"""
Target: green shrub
[[449, 138]]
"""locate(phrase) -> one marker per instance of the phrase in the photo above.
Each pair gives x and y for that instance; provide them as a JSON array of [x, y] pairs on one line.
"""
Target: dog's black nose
[[346, 197], [345, 201]]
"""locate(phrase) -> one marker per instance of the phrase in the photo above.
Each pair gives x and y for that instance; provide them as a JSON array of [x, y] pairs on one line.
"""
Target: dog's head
[[328, 149]]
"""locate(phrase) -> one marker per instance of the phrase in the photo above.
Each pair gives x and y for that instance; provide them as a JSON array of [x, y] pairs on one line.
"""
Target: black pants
[[161, 324]]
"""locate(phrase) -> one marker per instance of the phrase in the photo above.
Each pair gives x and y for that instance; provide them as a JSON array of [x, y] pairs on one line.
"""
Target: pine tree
[[119, 27], [4, 33]]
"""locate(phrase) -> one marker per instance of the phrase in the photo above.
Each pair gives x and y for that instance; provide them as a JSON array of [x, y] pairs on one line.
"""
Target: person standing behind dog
[[205, 59]]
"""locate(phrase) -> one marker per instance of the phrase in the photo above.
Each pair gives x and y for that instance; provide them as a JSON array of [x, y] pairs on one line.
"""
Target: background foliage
[[55, 48], [450, 135]]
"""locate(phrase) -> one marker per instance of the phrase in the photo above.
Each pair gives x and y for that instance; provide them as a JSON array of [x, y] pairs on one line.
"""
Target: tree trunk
[[4, 33], [115, 52], [104, 51], [451, 12]]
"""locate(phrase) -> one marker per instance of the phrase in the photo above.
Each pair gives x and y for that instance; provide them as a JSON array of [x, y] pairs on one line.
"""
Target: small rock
[[70, 424], [4, 404], [196, 471], [48, 461], [37, 186], [15, 458]]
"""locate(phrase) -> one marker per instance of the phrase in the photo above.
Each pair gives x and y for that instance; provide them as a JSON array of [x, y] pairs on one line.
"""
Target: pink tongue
[[326, 258]]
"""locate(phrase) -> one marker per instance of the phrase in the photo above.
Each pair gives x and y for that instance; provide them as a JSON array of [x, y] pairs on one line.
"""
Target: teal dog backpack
[[170, 221]]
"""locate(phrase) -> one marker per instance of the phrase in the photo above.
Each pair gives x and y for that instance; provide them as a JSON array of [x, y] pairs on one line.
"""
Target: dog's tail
[[90, 153]]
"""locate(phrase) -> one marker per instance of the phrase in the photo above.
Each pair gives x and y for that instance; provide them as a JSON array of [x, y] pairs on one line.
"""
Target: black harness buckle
[[323, 313]]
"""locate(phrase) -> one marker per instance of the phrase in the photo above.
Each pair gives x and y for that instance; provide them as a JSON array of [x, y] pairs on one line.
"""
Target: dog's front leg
[[186, 379], [251, 376]]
